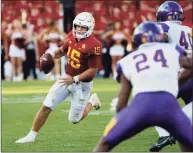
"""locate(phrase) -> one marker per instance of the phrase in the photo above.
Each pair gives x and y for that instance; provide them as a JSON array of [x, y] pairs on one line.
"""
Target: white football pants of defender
[[58, 93], [186, 109]]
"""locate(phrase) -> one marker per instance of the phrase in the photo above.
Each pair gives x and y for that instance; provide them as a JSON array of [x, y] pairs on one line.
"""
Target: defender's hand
[[68, 80]]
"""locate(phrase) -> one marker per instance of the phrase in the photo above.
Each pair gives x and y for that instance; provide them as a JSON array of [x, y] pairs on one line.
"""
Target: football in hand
[[46, 63]]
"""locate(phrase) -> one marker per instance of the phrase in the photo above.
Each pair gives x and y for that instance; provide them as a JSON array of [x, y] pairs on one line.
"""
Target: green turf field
[[21, 101]]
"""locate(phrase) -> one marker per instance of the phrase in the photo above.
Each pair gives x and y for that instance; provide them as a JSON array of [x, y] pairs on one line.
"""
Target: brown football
[[46, 63]]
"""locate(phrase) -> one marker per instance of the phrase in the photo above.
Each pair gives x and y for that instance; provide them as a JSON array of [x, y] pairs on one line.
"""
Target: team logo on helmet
[[143, 39], [169, 17]]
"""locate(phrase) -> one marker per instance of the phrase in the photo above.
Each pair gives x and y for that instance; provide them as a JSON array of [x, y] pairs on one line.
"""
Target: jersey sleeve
[[164, 26], [124, 67], [181, 51], [94, 60], [97, 49]]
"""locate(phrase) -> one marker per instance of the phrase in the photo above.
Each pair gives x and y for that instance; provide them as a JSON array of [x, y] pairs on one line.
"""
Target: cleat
[[27, 139], [94, 99], [163, 142]]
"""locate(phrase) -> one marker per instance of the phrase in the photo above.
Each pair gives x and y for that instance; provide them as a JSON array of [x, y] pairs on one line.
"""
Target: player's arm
[[124, 93], [81, 77], [94, 62], [184, 76], [125, 90], [87, 74], [58, 53], [186, 62], [184, 59]]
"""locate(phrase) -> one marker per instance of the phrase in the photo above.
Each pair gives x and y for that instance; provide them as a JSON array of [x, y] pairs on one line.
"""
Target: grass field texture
[[21, 101]]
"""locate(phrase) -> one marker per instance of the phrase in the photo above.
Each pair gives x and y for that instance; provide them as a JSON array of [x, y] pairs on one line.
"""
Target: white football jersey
[[153, 67], [179, 34]]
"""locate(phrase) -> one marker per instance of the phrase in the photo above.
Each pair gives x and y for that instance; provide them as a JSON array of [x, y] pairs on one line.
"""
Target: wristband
[[76, 79]]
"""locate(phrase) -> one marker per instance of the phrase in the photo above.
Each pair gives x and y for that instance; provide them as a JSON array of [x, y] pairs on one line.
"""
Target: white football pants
[[57, 94]]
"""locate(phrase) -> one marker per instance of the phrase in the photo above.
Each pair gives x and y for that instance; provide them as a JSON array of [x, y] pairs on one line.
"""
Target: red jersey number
[[73, 58]]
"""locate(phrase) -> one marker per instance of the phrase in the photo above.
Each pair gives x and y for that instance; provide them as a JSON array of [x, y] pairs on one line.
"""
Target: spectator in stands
[[116, 15], [117, 51], [30, 62], [69, 13], [100, 15], [106, 43], [128, 27], [53, 37], [126, 8], [4, 47], [148, 9], [16, 49], [187, 8]]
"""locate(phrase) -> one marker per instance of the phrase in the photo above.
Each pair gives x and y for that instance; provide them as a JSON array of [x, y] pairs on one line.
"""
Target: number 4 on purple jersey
[[183, 41]]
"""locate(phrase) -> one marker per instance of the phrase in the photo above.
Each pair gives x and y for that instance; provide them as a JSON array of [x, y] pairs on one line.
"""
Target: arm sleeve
[[94, 61], [181, 51], [165, 27], [95, 58], [126, 66]]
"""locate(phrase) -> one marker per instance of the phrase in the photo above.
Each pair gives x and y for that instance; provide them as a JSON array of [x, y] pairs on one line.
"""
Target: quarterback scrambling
[[84, 54]]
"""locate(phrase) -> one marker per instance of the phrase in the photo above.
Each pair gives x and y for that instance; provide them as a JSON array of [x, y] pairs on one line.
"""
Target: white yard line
[[44, 91], [35, 99], [94, 113]]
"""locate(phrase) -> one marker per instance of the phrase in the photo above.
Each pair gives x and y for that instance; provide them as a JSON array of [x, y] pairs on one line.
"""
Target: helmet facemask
[[80, 31]]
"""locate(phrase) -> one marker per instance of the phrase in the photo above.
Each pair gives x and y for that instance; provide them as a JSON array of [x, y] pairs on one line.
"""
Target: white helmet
[[84, 19]]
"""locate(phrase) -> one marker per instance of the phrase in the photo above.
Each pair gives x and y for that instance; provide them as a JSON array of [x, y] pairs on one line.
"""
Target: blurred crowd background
[[32, 27]]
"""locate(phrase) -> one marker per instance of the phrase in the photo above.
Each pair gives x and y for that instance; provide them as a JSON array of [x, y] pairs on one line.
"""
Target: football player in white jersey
[[170, 17], [152, 72]]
